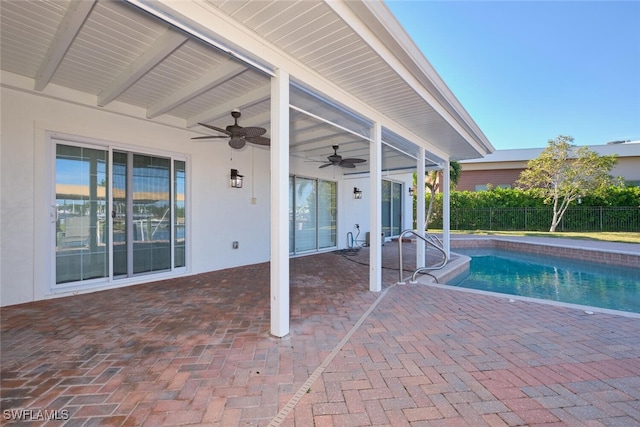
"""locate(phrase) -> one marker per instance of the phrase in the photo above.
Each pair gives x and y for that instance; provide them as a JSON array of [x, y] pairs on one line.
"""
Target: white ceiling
[[115, 52]]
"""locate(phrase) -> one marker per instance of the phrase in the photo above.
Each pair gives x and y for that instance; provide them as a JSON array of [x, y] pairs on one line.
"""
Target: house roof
[[180, 63], [627, 149]]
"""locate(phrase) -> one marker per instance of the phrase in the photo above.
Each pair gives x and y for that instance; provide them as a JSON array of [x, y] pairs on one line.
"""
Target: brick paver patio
[[197, 351]]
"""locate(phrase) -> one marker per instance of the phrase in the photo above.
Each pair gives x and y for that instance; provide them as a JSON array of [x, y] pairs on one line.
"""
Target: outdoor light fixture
[[411, 191], [236, 179], [357, 193]]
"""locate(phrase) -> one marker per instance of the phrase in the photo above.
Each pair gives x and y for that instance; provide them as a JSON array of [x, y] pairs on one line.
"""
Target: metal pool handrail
[[427, 238]]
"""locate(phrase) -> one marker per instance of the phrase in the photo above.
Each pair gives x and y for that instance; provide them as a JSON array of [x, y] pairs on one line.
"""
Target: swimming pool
[[552, 278]]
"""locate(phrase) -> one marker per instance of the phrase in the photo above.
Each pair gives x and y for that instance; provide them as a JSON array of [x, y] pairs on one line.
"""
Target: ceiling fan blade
[[237, 143], [326, 165], [217, 129], [209, 137], [354, 160], [258, 140], [254, 131], [347, 165]]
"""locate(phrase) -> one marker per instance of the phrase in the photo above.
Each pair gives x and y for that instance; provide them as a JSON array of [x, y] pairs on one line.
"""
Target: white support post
[[280, 204], [420, 208], [375, 210], [446, 208]]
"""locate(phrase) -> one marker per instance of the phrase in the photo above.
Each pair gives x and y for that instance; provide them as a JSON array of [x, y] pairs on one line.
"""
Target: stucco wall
[[497, 177]]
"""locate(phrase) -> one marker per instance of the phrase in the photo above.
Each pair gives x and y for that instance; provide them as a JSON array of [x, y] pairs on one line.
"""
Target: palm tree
[[432, 182]]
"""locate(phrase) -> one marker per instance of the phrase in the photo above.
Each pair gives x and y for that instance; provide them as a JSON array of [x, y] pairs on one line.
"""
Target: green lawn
[[604, 236]]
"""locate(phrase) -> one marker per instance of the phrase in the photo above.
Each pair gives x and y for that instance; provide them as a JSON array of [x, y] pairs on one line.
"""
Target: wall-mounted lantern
[[236, 179], [357, 193]]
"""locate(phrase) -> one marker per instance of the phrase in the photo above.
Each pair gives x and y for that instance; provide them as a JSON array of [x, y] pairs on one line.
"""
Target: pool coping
[[610, 256], [459, 263]]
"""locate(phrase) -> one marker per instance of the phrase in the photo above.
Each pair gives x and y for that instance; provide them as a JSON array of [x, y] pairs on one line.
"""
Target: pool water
[[552, 278]]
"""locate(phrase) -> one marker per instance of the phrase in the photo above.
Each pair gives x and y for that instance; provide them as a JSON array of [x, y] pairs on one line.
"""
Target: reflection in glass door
[[147, 214], [327, 211], [119, 214], [391, 208], [141, 214], [179, 222], [151, 214], [312, 214], [305, 215], [82, 234], [396, 208]]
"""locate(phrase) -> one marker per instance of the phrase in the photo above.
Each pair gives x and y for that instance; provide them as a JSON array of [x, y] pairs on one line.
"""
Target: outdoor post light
[[236, 179], [357, 193]]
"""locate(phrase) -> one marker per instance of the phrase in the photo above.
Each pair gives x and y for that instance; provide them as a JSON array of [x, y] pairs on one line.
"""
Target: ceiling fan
[[238, 135], [336, 160]]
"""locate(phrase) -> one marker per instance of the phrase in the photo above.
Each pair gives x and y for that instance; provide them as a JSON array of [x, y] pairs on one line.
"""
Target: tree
[[432, 183], [563, 173]]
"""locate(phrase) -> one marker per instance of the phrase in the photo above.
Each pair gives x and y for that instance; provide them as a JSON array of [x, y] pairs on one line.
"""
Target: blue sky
[[528, 71]]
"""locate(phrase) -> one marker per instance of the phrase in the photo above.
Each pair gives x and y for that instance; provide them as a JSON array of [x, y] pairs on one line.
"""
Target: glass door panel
[[327, 211], [82, 233], [305, 215], [396, 208], [292, 222], [386, 208], [391, 208], [179, 191], [151, 214], [119, 214]]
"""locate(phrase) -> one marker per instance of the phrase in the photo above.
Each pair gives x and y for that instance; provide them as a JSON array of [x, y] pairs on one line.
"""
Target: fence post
[[490, 218], [601, 222]]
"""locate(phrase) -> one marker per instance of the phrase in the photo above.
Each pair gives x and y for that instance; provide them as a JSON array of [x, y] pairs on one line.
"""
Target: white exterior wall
[[218, 214], [628, 168], [357, 211]]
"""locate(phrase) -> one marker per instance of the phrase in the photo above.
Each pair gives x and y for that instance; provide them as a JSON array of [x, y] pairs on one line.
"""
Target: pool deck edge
[[624, 255], [461, 263]]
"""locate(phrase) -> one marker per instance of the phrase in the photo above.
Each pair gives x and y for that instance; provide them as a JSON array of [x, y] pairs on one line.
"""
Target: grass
[[625, 237]]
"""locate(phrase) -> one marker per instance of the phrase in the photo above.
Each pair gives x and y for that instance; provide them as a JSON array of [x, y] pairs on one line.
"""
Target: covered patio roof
[[181, 63]]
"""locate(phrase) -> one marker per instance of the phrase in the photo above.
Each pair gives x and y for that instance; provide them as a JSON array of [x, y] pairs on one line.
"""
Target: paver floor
[[197, 351]]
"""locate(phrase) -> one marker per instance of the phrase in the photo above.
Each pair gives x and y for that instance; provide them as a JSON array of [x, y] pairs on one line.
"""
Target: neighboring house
[[502, 167], [103, 186]]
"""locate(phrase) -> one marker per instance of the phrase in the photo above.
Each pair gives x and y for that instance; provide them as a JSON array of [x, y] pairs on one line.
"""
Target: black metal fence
[[591, 218]]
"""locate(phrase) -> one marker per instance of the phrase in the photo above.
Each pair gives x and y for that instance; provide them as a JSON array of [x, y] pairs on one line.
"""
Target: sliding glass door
[[140, 226], [312, 214]]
